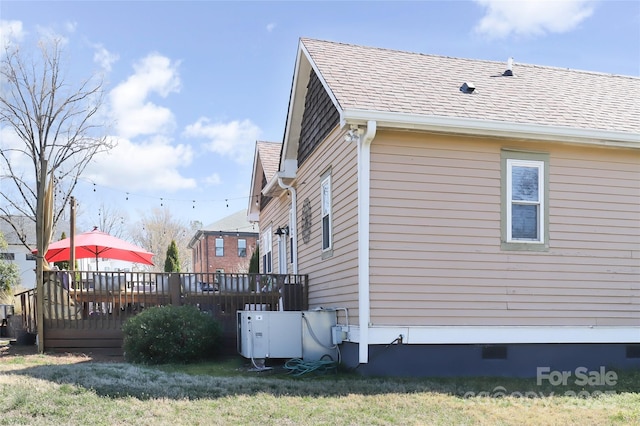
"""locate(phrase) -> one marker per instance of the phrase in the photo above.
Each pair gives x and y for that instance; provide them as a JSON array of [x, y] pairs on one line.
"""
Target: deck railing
[[104, 300]]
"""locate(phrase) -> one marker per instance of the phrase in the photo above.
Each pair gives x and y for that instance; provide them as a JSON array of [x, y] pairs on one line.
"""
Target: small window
[[326, 213], [30, 257], [7, 256], [219, 247], [242, 248], [525, 201]]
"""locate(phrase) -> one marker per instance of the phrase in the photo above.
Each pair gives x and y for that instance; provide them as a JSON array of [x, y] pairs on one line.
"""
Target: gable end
[[319, 118]]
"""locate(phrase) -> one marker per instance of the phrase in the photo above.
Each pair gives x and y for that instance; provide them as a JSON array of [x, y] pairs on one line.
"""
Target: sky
[[192, 85]]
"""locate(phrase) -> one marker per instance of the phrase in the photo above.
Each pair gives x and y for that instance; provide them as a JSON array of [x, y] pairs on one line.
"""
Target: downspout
[[364, 176], [293, 228]]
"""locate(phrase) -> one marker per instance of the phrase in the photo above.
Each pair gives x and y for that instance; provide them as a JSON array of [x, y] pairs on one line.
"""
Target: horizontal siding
[[435, 236], [333, 280]]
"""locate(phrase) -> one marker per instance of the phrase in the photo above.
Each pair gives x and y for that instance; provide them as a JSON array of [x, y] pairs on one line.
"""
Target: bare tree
[[111, 220], [156, 230], [49, 127]]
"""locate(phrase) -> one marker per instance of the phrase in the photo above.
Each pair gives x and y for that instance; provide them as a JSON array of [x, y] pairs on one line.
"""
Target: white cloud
[[70, 26], [11, 31], [50, 33], [212, 180], [152, 165], [235, 139], [104, 58], [531, 17], [271, 26], [134, 114]]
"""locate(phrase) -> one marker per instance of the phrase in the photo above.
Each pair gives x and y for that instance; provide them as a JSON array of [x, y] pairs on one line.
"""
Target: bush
[[170, 334]]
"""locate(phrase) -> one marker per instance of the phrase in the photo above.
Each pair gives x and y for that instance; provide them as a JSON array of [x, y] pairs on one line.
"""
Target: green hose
[[298, 366]]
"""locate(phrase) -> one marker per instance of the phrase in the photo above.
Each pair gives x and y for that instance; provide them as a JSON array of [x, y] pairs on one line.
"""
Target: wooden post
[[72, 236], [39, 258]]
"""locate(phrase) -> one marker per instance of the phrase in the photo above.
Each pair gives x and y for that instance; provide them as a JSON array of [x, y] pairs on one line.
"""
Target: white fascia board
[[471, 126], [290, 168], [478, 335], [271, 185]]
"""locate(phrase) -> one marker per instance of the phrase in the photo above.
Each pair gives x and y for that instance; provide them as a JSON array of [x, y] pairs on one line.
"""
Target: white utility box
[[287, 334], [270, 334]]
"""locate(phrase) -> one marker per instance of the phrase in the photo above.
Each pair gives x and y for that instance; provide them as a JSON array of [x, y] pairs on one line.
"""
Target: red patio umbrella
[[98, 244]]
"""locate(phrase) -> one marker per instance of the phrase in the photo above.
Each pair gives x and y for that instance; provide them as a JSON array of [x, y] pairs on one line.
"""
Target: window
[[525, 199], [266, 252], [8, 256], [242, 248], [30, 257], [326, 213], [219, 247]]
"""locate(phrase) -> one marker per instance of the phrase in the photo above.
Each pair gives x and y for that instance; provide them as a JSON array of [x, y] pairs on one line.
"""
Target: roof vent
[[467, 87], [509, 71]]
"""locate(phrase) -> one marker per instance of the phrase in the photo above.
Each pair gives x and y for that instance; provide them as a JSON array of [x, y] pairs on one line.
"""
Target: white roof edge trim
[[270, 185], [473, 126]]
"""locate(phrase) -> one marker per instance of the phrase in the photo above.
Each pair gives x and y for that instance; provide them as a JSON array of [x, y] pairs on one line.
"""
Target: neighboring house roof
[[27, 227], [235, 223], [265, 162]]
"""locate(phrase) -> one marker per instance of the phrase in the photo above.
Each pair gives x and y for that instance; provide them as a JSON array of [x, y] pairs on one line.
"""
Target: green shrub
[[170, 334]]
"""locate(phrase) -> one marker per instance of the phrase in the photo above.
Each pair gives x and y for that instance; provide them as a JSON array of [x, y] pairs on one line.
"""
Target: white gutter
[[364, 174], [476, 127], [293, 227]]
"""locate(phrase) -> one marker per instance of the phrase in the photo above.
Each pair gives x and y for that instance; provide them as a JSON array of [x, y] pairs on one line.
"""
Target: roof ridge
[[486, 61]]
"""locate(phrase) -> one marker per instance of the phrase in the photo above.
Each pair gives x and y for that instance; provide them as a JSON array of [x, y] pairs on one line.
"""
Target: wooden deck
[[85, 313]]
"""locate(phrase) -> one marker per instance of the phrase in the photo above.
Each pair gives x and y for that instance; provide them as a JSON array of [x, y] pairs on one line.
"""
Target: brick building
[[225, 245]]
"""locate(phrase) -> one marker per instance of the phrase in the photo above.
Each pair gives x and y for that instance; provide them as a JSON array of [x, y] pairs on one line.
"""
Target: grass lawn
[[77, 390]]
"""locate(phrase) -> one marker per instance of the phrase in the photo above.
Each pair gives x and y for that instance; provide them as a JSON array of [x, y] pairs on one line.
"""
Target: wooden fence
[[84, 312]]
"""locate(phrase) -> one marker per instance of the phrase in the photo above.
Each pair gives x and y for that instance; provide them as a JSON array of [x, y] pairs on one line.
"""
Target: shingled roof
[[368, 79], [269, 153]]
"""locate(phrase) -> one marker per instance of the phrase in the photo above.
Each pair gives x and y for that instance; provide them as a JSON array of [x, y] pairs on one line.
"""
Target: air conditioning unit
[[287, 334], [270, 334]]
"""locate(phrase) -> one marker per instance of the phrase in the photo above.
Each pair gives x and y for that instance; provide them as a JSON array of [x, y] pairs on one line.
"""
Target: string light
[[162, 199]]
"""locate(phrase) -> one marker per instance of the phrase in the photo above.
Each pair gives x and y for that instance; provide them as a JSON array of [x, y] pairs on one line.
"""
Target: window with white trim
[[327, 238], [219, 247], [525, 197], [242, 248], [267, 267]]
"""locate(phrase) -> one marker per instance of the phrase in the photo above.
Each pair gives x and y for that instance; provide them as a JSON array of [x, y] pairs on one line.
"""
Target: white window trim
[[508, 155], [540, 203], [221, 247], [326, 181], [267, 243]]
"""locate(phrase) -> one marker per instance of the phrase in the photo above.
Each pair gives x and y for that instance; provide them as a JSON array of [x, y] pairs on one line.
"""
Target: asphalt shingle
[[376, 79]]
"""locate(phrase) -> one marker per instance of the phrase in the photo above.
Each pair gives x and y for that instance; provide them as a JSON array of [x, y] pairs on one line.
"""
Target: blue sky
[[192, 85]]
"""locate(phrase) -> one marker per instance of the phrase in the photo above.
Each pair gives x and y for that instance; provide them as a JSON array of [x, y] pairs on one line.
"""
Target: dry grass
[[74, 390]]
